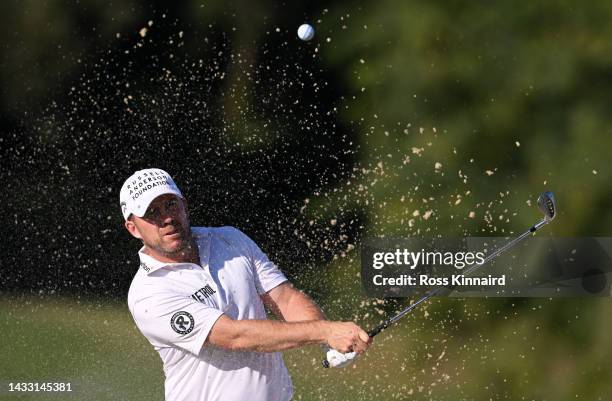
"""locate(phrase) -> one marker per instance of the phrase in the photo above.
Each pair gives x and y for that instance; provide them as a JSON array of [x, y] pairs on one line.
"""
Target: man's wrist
[[322, 329]]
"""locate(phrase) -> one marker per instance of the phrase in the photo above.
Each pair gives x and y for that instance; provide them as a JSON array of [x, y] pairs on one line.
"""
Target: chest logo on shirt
[[203, 293], [182, 322]]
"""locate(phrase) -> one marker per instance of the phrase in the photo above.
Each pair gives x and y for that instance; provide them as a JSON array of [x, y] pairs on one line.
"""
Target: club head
[[546, 203]]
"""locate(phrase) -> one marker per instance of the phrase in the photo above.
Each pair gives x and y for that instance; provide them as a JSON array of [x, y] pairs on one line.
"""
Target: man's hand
[[337, 359], [347, 337]]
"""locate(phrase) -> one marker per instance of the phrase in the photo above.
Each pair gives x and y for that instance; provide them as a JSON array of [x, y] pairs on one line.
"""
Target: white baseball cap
[[142, 187]]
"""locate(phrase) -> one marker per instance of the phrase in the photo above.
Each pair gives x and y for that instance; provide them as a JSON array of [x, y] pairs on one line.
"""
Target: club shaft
[[435, 291]]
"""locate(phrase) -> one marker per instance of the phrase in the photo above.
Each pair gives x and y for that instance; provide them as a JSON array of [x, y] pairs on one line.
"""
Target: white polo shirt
[[175, 305]]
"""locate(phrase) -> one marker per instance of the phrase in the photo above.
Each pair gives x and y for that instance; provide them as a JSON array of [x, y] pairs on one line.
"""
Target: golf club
[[546, 204]]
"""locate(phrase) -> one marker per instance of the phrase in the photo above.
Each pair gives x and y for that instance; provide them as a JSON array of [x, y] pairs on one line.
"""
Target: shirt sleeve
[[171, 319], [267, 274]]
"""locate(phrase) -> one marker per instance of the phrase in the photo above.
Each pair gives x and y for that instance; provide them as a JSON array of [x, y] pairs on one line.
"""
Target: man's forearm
[[266, 335], [301, 307], [291, 304]]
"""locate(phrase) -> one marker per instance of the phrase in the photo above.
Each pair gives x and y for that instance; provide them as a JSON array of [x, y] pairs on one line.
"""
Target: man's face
[[164, 229]]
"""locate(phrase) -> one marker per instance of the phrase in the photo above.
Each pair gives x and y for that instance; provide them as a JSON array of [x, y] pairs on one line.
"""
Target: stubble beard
[[178, 252]]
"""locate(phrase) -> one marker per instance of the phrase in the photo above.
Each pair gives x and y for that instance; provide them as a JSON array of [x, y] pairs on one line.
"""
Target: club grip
[[376, 330]]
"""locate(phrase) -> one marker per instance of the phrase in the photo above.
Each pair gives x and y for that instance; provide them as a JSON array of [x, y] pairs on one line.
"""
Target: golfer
[[199, 295]]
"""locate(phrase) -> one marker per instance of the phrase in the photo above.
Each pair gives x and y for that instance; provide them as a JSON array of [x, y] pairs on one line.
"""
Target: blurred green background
[[398, 119]]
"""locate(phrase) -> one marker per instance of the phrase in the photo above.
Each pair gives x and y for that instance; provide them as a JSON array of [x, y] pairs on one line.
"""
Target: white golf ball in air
[[305, 32]]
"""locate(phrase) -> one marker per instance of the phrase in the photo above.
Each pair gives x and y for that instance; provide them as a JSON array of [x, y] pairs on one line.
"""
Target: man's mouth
[[172, 233]]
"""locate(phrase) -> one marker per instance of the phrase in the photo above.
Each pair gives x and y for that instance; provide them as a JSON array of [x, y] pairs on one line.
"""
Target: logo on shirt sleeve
[[182, 322]]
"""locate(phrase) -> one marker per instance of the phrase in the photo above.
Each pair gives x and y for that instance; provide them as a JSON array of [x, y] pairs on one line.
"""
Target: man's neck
[[189, 254]]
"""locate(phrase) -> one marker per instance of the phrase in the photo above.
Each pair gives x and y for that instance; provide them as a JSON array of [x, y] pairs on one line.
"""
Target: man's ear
[[131, 227]]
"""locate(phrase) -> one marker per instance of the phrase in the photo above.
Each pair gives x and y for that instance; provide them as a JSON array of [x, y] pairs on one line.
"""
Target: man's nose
[[166, 217]]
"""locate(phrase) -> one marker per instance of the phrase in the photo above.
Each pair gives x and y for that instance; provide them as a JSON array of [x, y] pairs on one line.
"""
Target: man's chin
[[175, 246]]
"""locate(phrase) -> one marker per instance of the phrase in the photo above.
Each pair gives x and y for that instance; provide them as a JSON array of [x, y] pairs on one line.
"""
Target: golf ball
[[305, 32]]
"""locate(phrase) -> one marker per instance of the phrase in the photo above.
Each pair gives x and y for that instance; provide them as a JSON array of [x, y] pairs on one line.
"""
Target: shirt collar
[[202, 238], [148, 263]]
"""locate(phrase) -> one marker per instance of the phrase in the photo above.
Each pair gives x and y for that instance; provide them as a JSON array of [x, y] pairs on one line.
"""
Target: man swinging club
[[199, 297]]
